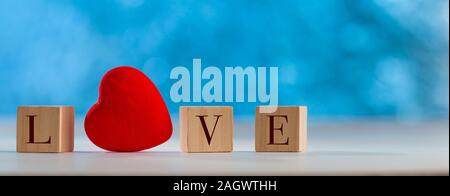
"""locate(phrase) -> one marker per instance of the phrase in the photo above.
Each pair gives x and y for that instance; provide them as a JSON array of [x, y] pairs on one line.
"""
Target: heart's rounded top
[[130, 114]]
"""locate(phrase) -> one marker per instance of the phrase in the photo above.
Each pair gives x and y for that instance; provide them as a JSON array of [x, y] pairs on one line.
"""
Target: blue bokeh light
[[342, 58]]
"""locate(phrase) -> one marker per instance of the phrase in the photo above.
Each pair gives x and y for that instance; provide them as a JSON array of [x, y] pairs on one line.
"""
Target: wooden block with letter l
[[45, 129], [281, 129], [206, 129]]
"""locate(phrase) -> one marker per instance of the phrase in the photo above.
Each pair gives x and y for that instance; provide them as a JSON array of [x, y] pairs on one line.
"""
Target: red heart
[[130, 114]]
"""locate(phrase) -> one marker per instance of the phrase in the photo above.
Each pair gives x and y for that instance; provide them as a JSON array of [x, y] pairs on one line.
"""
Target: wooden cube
[[45, 129], [281, 129], [206, 129]]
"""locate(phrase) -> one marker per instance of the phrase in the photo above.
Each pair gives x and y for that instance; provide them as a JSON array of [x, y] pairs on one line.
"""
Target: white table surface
[[361, 147]]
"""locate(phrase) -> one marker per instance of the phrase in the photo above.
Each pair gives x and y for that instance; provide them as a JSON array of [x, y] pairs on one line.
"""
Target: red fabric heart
[[130, 114]]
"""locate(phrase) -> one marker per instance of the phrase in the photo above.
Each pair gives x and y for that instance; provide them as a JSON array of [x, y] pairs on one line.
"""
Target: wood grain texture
[[289, 125], [193, 137], [53, 129]]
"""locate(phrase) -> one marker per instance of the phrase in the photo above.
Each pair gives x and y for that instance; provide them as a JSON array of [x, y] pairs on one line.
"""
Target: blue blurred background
[[342, 58]]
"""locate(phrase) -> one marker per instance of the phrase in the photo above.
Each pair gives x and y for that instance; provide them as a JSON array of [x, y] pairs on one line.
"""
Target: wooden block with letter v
[[206, 129], [281, 129], [45, 129]]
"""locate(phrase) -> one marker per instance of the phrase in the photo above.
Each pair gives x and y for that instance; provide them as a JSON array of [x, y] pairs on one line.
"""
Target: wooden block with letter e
[[206, 129], [281, 129], [45, 129]]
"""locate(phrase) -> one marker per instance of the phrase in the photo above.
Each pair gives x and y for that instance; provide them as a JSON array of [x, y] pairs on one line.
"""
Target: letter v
[[205, 128]]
